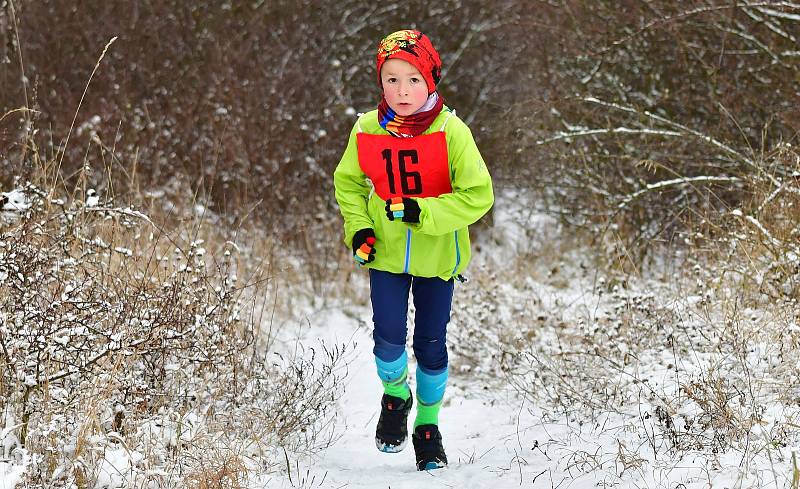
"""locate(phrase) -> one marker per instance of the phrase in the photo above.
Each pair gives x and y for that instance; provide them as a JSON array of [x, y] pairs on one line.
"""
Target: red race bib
[[405, 167]]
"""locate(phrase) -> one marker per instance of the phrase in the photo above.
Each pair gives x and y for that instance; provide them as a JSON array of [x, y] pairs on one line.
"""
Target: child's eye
[[391, 80], [415, 80]]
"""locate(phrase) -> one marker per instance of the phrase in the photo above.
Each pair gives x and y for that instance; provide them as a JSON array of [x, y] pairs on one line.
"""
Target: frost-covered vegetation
[[167, 220], [135, 354], [653, 377]]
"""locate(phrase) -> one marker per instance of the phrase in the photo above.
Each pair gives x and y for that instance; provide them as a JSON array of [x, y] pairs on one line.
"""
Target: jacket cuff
[[424, 213]]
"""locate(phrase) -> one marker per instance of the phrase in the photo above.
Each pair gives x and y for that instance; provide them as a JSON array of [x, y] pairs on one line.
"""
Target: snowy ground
[[494, 439], [480, 431]]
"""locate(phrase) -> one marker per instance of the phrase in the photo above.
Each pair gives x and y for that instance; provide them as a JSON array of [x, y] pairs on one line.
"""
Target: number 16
[[414, 177]]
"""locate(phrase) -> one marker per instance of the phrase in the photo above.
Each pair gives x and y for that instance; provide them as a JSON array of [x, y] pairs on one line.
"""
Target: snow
[[10, 474], [494, 439], [480, 432], [12, 204], [115, 468]]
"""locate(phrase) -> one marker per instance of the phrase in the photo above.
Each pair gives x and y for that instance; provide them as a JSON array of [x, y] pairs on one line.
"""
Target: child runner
[[409, 183]]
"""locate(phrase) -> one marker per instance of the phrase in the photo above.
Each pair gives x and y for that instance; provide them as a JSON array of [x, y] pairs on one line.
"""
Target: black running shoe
[[391, 435], [428, 447]]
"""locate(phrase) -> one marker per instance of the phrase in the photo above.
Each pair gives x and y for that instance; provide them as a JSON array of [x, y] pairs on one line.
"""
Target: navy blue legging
[[433, 299]]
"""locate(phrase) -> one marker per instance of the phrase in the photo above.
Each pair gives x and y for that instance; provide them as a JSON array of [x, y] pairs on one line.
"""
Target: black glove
[[364, 246], [402, 207]]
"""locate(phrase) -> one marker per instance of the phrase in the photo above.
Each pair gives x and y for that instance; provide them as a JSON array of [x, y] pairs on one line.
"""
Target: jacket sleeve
[[472, 194], [352, 191]]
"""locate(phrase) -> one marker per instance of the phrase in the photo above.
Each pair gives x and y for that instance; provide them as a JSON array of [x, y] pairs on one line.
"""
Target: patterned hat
[[416, 48]]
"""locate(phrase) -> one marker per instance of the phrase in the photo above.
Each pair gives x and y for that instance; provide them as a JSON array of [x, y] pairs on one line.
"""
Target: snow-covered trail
[[492, 439], [480, 432]]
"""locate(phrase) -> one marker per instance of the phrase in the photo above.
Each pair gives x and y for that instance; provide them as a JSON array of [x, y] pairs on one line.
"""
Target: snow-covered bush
[[660, 156], [760, 241], [128, 355], [693, 365], [688, 372]]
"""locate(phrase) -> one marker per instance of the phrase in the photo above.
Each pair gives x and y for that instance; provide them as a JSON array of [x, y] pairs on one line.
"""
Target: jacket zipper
[[408, 250], [458, 254]]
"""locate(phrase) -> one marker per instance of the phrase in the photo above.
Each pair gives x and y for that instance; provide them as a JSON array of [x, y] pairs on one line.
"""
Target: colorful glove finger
[[364, 246], [403, 208]]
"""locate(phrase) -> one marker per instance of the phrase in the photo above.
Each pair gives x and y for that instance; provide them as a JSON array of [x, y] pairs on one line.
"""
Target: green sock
[[427, 414], [398, 387]]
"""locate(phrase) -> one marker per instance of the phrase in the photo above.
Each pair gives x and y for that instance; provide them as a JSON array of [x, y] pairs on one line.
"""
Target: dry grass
[[218, 472]]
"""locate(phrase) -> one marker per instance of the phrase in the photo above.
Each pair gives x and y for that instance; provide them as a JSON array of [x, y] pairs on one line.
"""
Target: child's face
[[404, 87]]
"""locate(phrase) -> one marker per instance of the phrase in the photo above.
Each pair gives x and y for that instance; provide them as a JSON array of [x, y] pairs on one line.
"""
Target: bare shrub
[[658, 116], [659, 143], [761, 243], [117, 338]]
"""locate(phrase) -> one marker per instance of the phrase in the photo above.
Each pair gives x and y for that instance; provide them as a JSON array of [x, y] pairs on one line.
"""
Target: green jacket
[[439, 245]]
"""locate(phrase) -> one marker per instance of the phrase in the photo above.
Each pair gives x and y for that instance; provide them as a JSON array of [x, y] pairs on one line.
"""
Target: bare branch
[[616, 130], [677, 181]]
